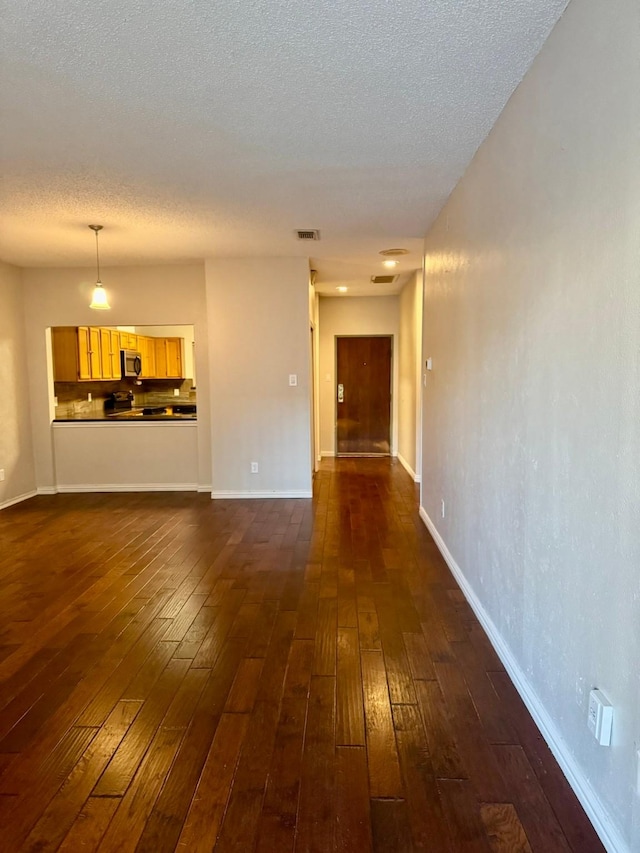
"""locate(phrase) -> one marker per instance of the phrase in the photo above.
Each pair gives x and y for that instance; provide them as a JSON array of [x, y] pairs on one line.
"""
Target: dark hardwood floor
[[272, 675]]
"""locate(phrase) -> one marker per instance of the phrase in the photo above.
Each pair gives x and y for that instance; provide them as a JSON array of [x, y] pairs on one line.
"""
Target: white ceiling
[[200, 128]]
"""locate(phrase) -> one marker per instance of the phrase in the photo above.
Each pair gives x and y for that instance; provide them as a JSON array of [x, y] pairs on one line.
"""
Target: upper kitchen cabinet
[[169, 358], [128, 341], [88, 353], [147, 350], [110, 353], [76, 353]]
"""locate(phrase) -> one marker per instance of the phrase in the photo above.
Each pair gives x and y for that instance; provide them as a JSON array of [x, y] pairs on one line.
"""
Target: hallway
[[273, 675]]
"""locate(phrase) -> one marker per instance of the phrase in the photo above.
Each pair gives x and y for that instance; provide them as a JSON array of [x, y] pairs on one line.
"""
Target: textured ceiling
[[192, 128]]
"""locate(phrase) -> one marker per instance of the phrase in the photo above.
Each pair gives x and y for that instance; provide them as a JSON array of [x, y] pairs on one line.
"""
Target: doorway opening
[[363, 395]]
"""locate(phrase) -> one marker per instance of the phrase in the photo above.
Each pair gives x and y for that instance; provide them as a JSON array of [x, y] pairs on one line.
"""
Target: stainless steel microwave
[[130, 362]]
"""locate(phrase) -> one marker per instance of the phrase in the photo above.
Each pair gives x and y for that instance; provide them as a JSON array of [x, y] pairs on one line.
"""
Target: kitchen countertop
[[132, 416]]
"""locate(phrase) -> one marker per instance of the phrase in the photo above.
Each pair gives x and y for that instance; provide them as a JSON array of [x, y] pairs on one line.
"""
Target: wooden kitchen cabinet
[[91, 337], [87, 353], [76, 353], [169, 358], [106, 364], [65, 346], [174, 357], [110, 354], [116, 367], [129, 341], [147, 349]]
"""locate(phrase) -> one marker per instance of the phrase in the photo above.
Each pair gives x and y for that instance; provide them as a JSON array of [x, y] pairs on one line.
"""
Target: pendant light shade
[[99, 299]]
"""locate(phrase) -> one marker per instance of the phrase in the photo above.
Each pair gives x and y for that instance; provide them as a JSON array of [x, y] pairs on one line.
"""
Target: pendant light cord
[[97, 257]]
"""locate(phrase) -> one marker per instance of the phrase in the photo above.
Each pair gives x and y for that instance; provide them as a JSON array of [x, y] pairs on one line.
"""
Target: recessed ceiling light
[[390, 264], [342, 289]]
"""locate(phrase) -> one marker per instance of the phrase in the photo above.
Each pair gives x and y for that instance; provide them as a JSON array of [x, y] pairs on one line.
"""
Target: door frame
[[391, 337]]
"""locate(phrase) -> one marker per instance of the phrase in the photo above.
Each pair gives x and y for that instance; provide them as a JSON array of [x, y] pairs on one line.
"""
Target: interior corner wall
[[258, 311], [531, 429], [409, 372], [314, 325], [139, 296], [353, 315], [16, 446]]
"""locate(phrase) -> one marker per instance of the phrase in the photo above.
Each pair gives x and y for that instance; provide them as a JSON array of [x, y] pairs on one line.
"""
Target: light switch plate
[[600, 718]]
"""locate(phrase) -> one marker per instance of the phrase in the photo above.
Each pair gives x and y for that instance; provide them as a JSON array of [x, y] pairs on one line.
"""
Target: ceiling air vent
[[392, 253], [383, 279], [308, 234]]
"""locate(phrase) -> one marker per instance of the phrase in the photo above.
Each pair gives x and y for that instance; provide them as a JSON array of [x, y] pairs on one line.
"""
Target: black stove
[[119, 401]]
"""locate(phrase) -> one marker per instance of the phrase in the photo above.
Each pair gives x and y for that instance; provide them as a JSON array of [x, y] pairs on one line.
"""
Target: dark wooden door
[[363, 420]]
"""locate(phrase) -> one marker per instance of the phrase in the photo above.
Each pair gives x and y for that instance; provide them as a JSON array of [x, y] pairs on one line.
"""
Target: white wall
[[314, 324], [259, 327], [409, 373], [139, 296], [153, 456], [364, 315], [532, 412], [16, 448]]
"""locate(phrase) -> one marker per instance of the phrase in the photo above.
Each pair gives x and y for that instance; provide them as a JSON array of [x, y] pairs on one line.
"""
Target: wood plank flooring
[[185, 674]]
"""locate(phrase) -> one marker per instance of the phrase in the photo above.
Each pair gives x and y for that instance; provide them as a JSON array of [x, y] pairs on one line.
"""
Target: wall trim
[[415, 477], [46, 490], [327, 453], [126, 487], [593, 806], [232, 495], [18, 499]]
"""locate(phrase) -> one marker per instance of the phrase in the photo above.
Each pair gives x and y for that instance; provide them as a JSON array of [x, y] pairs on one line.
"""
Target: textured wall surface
[[16, 449], [532, 413], [140, 457], [357, 316], [259, 328], [409, 373]]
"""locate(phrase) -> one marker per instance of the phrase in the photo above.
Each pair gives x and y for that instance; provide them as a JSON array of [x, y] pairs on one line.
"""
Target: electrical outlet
[[442, 508], [255, 468], [176, 392], [293, 379], [1, 474]]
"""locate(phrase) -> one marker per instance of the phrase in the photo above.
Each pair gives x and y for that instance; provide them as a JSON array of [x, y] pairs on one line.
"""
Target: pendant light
[[99, 299]]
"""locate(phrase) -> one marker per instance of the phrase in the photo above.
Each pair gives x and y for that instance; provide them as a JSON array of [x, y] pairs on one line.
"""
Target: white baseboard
[[232, 495], [591, 803], [47, 490], [415, 477], [205, 488], [327, 454], [11, 501], [128, 487]]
